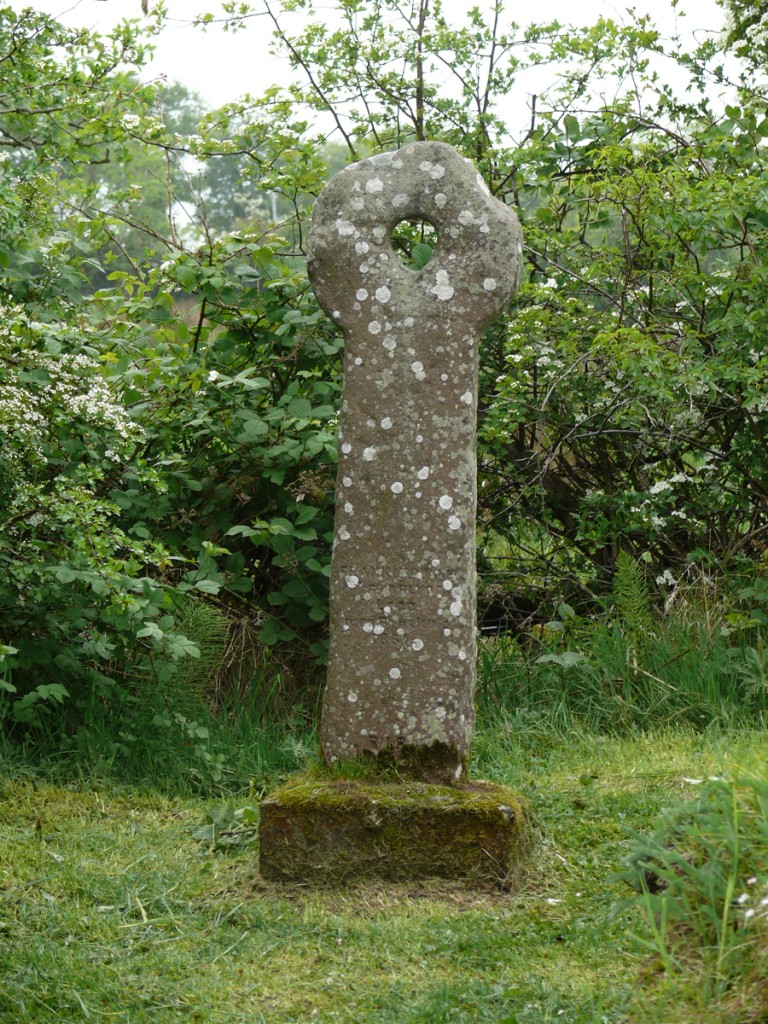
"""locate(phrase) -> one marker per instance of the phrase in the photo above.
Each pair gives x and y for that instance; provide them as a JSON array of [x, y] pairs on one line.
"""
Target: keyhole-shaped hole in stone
[[414, 242]]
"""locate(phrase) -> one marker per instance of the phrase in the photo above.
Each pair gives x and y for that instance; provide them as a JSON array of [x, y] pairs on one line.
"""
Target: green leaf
[[305, 514], [270, 633], [207, 586], [52, 691], [296, 589], [242, 585], [36, 376], [65, 573], [568, 659], [245, 531], [421, 254], [301, 408], [182, 647], [305, 553], [253, 430], [185, 275], [305, 533], [150, 629], [159, 314], [278, 525], [572, 129]]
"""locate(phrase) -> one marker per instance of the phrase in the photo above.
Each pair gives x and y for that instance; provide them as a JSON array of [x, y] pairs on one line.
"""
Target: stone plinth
[[324, 831]]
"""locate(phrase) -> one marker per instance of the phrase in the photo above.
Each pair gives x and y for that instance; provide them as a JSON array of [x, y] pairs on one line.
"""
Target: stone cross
[[401, 674]]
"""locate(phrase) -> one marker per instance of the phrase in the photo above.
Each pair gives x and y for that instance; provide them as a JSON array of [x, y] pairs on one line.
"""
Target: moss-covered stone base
[[327, 830]]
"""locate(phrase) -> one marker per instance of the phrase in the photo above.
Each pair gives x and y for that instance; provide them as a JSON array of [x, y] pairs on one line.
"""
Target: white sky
[[222, 66]]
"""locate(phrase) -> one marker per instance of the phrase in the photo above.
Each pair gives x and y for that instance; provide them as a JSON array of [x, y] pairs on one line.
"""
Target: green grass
[[594, 674], [128, 854], [112, 910], [165, 750]]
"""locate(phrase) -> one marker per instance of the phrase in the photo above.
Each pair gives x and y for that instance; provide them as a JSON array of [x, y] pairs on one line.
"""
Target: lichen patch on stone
[[442, 287]]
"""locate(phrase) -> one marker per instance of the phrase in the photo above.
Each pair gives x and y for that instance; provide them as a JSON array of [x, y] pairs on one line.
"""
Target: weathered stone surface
[[401, 675], [327, 831]]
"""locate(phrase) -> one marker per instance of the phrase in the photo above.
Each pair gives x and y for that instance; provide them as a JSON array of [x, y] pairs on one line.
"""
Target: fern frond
[[632, 597]]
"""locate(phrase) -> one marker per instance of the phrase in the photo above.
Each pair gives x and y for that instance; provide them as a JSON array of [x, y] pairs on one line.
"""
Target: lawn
[[117, 905]]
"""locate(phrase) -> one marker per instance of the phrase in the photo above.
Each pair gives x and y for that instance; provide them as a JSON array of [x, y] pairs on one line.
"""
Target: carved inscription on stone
[[401, 674]]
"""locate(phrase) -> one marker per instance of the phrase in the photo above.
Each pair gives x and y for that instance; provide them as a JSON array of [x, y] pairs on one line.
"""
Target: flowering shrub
[[79, 597], [168, 439]]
